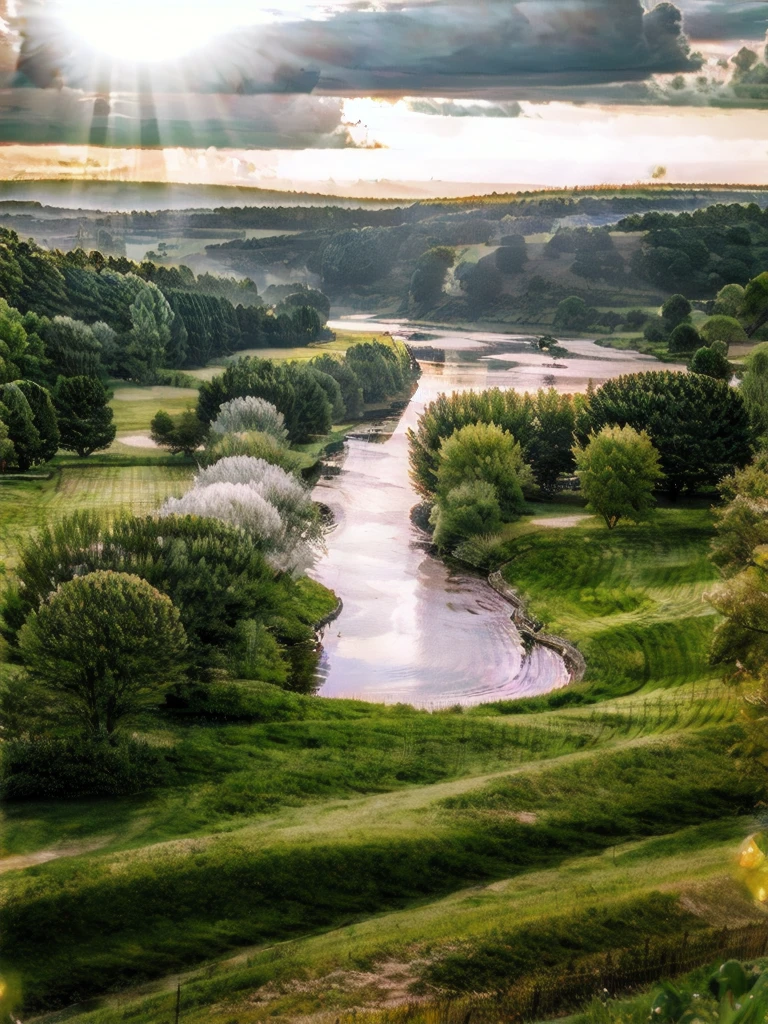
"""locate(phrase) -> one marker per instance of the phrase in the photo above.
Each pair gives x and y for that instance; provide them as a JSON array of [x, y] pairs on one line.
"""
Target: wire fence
[[565, 991]]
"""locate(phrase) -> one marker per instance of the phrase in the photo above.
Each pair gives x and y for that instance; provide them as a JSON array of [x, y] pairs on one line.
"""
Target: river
[[413, 630]]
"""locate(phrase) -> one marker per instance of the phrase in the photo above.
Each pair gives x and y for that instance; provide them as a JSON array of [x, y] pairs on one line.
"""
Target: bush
[[723, 328], [464, 512], [684, 338], [65, 769]]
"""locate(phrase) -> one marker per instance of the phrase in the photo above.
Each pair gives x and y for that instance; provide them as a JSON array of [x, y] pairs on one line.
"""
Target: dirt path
[[30, 860]]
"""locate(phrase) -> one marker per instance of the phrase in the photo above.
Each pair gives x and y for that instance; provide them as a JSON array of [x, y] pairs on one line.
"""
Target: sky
[[385, 96]]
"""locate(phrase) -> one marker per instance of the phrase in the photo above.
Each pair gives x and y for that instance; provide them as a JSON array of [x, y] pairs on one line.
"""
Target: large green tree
[[84, 414], [618, 469], [104, 646], [699, 426], [44, 418], [484, 452], [16, 413]]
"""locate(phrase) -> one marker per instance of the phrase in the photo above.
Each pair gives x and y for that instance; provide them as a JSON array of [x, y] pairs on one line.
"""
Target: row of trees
[[35, 423], [84, 313], [311, 396], [682, 431]]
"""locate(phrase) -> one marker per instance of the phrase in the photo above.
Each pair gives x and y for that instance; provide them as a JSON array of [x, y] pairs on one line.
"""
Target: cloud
[[71, 117], [407, 47], [725, 19]]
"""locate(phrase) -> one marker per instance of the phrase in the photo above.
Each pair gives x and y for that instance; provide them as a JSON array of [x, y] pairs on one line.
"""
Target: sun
[[144, 31]]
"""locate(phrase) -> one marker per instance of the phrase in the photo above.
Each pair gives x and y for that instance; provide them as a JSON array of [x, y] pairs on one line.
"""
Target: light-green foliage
[[484, 452], [618, 469], [723, 328], [465, 511]]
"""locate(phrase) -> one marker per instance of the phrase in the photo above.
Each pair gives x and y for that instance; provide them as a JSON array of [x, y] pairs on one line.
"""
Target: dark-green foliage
[[17, 414], [64, 769], [43, 416], [345, 376], [542, 423], [699, 425], [84, 415], [292, 388]]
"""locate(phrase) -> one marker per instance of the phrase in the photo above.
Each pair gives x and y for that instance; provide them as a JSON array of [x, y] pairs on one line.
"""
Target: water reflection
[[411, 629]]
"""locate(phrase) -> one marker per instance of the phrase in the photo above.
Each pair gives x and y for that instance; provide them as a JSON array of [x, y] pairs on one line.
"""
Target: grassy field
[[320, 856], [631, 598], [302, 353]]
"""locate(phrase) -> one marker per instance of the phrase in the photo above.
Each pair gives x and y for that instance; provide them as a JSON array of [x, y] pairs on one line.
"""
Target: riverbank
[[532, 632]]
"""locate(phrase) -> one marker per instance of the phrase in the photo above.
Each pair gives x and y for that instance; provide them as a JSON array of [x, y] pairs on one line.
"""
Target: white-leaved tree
[[250, 413], [272, 505]]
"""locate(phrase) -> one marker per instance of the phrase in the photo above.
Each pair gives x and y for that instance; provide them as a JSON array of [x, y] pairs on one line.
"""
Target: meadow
[[308, 856]]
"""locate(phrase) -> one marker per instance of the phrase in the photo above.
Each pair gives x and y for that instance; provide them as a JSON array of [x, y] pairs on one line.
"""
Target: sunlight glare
[[151, 30]]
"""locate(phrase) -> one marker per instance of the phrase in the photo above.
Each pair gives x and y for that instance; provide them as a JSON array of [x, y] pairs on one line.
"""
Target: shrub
[[55, 769], [182, 434], [241, 415], [726, 329], [464, 512], [684, 338]]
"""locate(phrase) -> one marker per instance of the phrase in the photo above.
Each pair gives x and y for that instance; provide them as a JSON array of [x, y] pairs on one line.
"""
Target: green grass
[[631, 598], [146, 911], [300, 353], [28, 505], [134, 407]]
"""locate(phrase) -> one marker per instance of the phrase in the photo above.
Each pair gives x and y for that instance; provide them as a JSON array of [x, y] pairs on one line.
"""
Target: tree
[[344, 375], [150, 334], [104, 646], [549, 450], [466, 511], [723, 328], [729, 301], [483, 451], [44, 418], [618, 470], [84, 414], [182, 434], [684, 338], [250, 413], [17, 415], [573, 314], [712, 362], [307, 323], [429, 276], [754, 389], [743, 602], [675, 311], [741, 521], [212, 572], [755, 306], [699, 426], [72, 348], [655, 330], [7, 451], [512, 256], [482, 282]]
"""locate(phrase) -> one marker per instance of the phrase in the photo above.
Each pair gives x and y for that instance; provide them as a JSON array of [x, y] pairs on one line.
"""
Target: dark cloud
[[409, 48], [725, 19], [70, 117]]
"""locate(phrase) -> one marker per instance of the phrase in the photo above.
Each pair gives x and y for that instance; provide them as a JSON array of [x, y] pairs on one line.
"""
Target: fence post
[[178, 1002], [536, 1001]]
